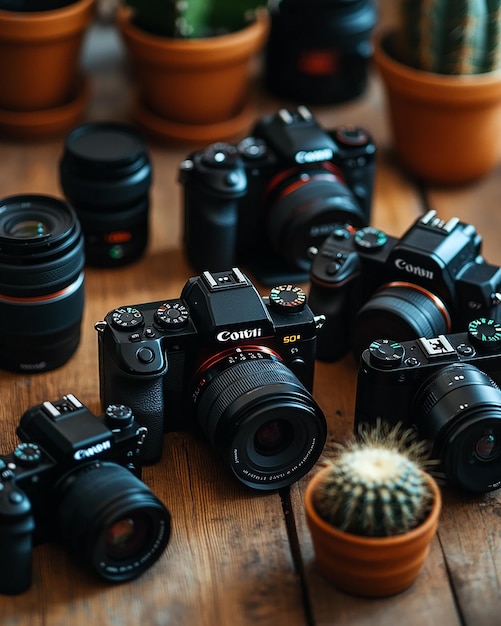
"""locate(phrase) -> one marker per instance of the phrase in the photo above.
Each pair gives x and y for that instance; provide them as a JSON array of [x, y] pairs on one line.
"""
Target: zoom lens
[[459, 410], [260, 417], [402, 311], [111, 521], [41, 282], [305, 206], [106, 174]]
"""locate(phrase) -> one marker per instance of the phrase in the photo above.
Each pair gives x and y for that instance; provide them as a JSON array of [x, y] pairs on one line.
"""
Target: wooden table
[[240, 557]]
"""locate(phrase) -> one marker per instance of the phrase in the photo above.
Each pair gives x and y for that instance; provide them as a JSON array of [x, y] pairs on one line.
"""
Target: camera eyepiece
[[41, 282]]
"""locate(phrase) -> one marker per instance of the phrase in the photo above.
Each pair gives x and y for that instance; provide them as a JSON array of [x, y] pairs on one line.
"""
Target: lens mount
[[459, 410], [259, 416], [111, 521], [402, 311]]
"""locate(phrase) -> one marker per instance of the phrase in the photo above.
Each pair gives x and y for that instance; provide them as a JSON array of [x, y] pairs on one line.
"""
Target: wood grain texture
[[238, 557]]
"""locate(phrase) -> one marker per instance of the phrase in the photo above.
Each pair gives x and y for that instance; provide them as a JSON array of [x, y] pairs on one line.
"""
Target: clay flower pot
[[370, 566], [446, 129], [39, 54], [193, 89]]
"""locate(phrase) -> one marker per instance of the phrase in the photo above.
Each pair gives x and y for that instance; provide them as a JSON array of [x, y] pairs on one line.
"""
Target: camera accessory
[[443, 388], [75, 478], [319, 52], [224, 361], [105, 173], [41, 282], [282, 190], [430, 282]]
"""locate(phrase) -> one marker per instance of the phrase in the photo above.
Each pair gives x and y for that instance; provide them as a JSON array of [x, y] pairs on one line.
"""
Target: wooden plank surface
[[238, 557]]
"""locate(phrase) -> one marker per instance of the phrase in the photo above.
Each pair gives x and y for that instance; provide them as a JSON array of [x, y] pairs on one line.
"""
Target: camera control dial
[[370, 239], [485, 333], [172, 316], [28, 454], [288, 298], [126, 317], [386, 353]]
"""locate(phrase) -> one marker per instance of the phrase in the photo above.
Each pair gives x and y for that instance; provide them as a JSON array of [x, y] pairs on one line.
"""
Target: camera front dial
[[259, 416]]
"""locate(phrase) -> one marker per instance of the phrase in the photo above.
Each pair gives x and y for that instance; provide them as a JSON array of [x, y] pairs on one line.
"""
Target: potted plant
[[372, 513], [440, 67], [40, 44], [193, 64]]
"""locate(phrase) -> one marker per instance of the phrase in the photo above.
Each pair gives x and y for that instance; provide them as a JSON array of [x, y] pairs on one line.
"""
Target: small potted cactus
[[372, 513], [194, 64], [441, 67]]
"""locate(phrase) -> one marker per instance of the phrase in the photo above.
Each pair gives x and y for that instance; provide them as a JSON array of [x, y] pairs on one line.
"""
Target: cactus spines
[[375, 487], [451, 36]]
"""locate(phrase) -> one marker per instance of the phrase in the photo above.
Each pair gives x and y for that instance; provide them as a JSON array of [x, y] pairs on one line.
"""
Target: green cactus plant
[[450, 36], [192, 18], [376, 486]]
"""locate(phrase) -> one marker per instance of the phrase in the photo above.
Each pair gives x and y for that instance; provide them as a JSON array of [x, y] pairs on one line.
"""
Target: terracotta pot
[[39, 54], [193, 89], [446, 129], [370, 566]]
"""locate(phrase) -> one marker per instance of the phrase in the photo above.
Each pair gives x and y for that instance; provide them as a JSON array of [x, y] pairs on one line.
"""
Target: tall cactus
[[451, 36], [374, 487], [192, 18]]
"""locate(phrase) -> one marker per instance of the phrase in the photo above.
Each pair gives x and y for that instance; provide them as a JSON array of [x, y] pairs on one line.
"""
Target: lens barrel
[[41, 282], [105, 173], [401, 311], [111, 521], [260, 417], [459, 410]]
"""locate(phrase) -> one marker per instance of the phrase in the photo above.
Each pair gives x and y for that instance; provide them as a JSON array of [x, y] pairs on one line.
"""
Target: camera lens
[[401, 311], [41, 282], [304, 207], [259, 416], [459, 410], [111, 521], [106, 174]]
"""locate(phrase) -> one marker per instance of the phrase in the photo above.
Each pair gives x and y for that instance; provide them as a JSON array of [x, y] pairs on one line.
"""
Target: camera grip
[[144, 395], [210, 231], [333, 338], [16, 541]]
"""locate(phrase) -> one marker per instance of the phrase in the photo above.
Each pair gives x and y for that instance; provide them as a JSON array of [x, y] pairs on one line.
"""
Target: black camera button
[[370, 239], [133, 337], [386, 353], [28, 454], [412, 361], [145, 355], [352, 136], [464, 349], [252, 148]]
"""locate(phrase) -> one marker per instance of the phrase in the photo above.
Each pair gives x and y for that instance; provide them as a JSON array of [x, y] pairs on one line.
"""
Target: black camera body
[[70, 478], [223, 361], [431, 281], [446, 388], [263, 202]]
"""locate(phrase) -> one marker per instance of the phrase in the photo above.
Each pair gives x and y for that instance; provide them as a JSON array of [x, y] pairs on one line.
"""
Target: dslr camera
[[76, 477], [263, 202], [224, 362], [446, 388], [431, 281]]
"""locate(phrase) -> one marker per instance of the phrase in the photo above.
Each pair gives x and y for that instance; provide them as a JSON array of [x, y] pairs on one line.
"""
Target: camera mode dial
[[370, 239], [288, 298], [118, 416], [386, 353], [28, 454], [485, 333], [126, 317], [172, 316]]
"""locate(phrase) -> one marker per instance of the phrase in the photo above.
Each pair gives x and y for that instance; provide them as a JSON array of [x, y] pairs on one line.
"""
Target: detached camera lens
[[459, 410], [260, 417], [111, 521], [106, 174], [41, 282]]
